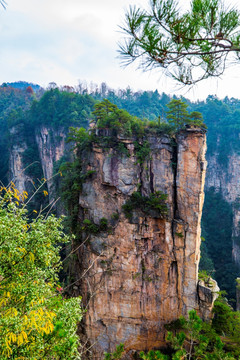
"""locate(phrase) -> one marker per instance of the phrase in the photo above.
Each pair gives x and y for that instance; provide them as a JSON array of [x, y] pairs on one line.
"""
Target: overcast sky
[[65, 41]]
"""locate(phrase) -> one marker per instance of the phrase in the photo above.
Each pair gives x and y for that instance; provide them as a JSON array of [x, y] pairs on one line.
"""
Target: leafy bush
[[36, 321], [117, 354], [142, 151], [109, 116], [195, 339], [92, 228], [154, 202]]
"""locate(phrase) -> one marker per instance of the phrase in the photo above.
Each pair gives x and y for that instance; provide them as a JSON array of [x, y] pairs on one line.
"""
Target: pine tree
[[177, 114], [190, 46]]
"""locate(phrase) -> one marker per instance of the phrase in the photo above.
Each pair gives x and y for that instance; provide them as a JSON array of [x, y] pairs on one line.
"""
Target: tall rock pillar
[[141, 273]]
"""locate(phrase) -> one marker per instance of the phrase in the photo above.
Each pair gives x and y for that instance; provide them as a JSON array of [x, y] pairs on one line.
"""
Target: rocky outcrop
[[208, 292], [48, 147], [51, 146], [16, 166], [142, 273]]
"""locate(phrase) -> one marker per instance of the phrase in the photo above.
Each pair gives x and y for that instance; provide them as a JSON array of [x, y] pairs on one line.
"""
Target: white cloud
[[67, 40]]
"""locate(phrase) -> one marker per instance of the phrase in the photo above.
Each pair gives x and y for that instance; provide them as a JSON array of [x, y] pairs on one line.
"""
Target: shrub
[[154, 202], [36, 321]]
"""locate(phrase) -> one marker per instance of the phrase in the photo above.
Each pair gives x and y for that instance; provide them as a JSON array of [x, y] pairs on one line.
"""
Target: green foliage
[[179, 234], [194, 339], [103, 224], [218, 242], [73, 175], [36, 321], [91, 228], [191, 46], [226, 323], [115, 216], [159, 127], [13, 104], [61, 108], [80, 138], [154, 204], [222, 119], [70, 187], [153, 355], [118, 121], [196, 119], [143, 104], [122, 149], [142, 151], [179, 116], [203, 275], [117, 354]]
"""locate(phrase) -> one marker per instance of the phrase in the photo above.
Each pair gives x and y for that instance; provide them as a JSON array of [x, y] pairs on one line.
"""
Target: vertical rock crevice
[[175, 216]]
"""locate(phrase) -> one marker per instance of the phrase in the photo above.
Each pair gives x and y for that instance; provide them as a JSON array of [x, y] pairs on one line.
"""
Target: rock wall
[[51, 146], [226, 180], [16, 165], [142, 273]]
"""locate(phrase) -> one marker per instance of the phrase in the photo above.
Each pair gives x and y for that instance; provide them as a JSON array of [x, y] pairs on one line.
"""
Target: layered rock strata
[[16, 165], [51, 146], [143, 272]]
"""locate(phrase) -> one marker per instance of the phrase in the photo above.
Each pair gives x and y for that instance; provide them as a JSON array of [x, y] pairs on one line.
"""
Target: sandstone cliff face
[[226, 181], [208, 292], [51, 146], [143, 273], [16, 166]]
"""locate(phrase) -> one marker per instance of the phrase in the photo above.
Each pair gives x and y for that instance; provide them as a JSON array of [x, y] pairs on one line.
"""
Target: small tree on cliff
[[179, 116], [190, 46], [36, 322], [192, 339]]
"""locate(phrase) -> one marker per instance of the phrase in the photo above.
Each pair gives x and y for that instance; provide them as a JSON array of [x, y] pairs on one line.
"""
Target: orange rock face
[[143, 273]]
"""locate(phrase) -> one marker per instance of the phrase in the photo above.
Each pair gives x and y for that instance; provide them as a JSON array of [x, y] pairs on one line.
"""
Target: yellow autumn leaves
[[36, 321], [14, 193]]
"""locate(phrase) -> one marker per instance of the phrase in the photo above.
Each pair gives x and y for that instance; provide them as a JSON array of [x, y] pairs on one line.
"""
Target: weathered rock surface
[[144, 273], [51, 146], [16, 165], [225, 179], [208, 292]]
